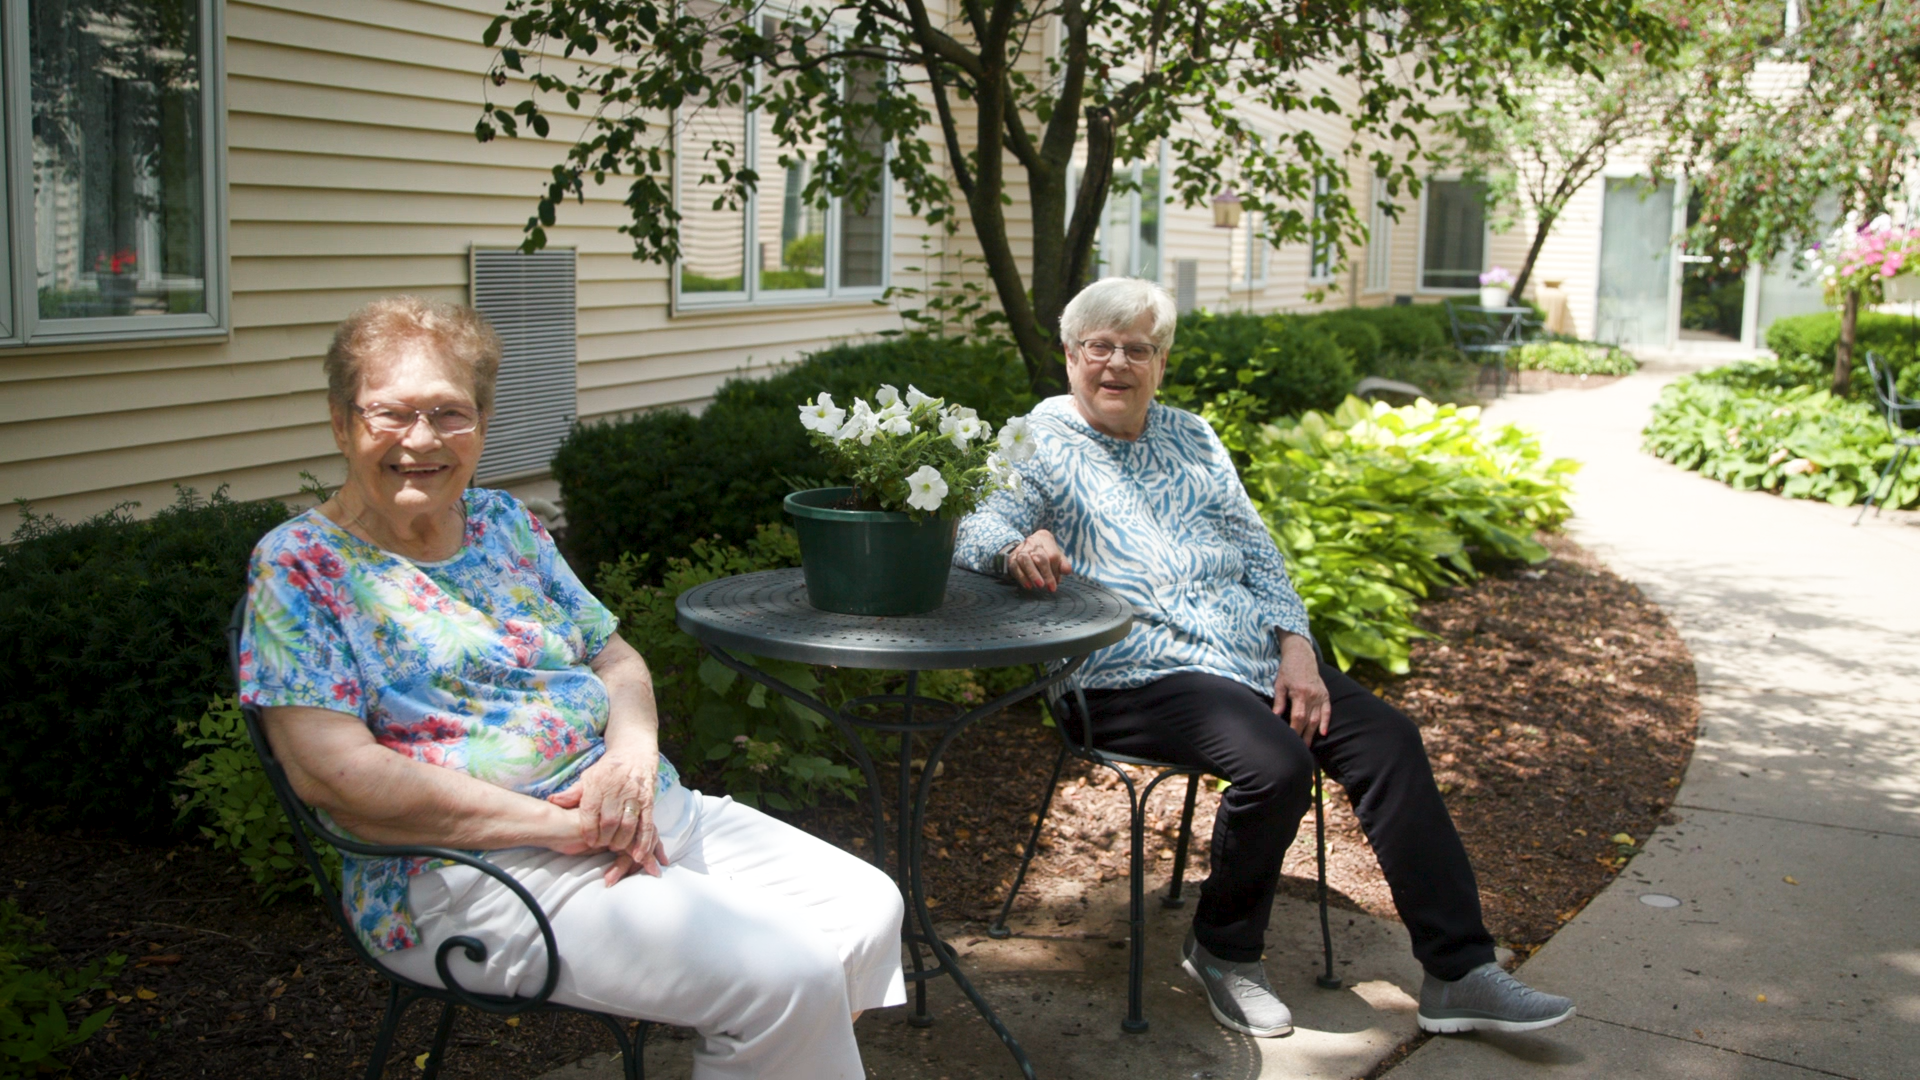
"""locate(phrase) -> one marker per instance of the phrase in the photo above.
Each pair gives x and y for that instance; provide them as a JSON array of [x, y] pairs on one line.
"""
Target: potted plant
[[883, 544], [1495, 285]]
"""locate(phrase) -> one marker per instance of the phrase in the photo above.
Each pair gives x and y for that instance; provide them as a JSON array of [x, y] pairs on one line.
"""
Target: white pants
[[758, 936]]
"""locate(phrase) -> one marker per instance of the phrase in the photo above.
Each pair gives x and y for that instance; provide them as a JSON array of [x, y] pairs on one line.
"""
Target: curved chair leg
[[1136, 1021], [440, 1034], [1173, 899], [998, 928], [1327, 979], [631, 1049]]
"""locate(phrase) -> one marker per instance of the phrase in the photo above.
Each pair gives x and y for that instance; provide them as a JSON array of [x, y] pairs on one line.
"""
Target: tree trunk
[[1843, 350], [1533, 254]]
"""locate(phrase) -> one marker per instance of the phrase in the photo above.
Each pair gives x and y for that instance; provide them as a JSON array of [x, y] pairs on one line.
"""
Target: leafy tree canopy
[[959, 92]]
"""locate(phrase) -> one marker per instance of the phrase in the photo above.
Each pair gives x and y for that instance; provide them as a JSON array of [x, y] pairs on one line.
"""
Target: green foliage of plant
[[1573, 358], [807, 252], [767, 749], [691, 282], [228, 794], [111, 630], [35, 998], [1772, 426], [1290, 362], [649, 484], [1373, 506], [774, 280], [1813, 338]]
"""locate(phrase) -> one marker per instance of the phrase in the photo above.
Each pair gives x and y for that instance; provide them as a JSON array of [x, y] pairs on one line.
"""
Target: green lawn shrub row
[[649, 485], [36, 1027], [1574, 358], [1374, 506], [1773, 425], [1813, 338], [111, 631]]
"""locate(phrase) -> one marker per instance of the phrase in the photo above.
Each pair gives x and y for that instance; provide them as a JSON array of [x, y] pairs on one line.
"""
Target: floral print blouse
[[478, 663], [1163, 521]]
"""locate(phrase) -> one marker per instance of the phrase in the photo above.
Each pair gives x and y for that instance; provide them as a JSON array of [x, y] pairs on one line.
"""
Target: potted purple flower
[[1495, 286]]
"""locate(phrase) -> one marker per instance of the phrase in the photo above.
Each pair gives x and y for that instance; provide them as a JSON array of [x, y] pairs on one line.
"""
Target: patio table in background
[[984, 622]]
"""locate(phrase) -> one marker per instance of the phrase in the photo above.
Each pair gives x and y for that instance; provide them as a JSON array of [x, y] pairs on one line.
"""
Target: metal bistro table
[[985, 622]]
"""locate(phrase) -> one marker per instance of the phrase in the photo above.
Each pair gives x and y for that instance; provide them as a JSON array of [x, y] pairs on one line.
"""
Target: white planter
[[1493, 296], [1901, 289]]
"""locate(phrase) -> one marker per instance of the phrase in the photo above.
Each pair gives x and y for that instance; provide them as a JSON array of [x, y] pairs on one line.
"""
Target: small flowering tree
[[1863, 258], [916, 453]]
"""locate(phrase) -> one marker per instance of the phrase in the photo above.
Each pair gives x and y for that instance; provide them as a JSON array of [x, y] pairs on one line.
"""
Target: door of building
[[1636, 262]]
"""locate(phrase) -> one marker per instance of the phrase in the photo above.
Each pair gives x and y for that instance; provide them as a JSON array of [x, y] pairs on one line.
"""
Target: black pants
[[1371, 749]]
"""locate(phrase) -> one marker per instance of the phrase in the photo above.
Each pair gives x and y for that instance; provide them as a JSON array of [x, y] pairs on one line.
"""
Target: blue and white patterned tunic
[[1165, 522]]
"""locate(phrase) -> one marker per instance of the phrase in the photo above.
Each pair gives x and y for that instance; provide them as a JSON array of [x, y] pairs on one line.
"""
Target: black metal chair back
[[1479, 337], [403, 992], [1902, 414], [1135, 1021]]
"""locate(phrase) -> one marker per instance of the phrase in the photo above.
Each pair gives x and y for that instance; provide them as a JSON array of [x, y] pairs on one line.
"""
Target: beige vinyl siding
[[353, 173]]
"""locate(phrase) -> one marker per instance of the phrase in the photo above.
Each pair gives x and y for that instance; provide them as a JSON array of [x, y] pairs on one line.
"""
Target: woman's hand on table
[[1299, 694], [1038, 563], [614, 805]]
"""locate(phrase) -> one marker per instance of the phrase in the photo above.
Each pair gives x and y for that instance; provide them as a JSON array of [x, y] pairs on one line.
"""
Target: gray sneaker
[[1239, 994], [1487, 999]]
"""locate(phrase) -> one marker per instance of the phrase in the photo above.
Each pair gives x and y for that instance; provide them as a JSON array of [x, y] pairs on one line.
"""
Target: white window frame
[[1134, 203], [1320, 260], [1379, 243], [1420, 252], [1256, 262], [22, 326], [751, 294]]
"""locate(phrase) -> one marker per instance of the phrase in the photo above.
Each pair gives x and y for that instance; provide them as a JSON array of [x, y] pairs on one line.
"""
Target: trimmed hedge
[[1814, 338], [113, 630], [651, 484]]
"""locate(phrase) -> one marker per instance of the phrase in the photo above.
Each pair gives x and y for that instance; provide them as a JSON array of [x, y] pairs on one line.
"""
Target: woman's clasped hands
[[613, 805]]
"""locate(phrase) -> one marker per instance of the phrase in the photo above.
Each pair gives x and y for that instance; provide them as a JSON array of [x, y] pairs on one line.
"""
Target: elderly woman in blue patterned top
[[1220, 671], [431, 672]]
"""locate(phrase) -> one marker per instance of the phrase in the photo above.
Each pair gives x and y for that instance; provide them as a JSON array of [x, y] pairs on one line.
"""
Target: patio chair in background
[[1896, 409], [403, 992], [1135, 1021], [1485, 337]]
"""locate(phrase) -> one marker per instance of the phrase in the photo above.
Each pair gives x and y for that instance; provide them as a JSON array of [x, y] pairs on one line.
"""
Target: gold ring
[[629, 809]]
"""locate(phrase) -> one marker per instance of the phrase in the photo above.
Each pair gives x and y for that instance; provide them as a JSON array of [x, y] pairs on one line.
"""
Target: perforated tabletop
[[985, 622]]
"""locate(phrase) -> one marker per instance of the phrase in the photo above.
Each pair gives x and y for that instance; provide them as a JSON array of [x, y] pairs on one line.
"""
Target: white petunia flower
[[822, 415], [1000, 472], [915, 398], [969, 429], [861, 425], [1016, 439], [897, 424], [886, 395], [927, 489]]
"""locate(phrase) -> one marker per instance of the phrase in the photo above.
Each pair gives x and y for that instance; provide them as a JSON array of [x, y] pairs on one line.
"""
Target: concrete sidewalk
[[1795, 948]]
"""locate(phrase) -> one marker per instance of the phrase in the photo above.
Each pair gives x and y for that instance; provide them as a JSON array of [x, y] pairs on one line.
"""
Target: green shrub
[[1574, 358], [1814, 337], [649, 485], [111, 631], [229, 795], [1373, 506], [1411, 331], [1289, 362], [766, 749], [34, 999], [1773, 426]]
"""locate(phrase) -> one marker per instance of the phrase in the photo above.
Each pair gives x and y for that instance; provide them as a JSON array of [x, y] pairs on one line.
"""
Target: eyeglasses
[[398, 419], [1103, 351]]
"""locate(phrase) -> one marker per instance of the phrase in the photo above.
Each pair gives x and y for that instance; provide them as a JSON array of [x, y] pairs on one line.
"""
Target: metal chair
[[1135, 1021], [1482, 338], [403, 992], [1896, 409]]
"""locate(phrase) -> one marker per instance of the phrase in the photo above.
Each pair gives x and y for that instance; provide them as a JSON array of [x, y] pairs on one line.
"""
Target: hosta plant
[[916, 453]]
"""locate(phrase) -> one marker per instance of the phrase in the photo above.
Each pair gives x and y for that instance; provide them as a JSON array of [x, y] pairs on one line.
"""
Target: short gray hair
[[456, 332], [1116, 303]]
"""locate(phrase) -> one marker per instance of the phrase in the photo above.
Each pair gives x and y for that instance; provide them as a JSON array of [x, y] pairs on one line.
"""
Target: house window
[[1379, 240], [1130, 232], [776, 246], [113, 161], [1249, 254], [1320, 251], [1454, 248]]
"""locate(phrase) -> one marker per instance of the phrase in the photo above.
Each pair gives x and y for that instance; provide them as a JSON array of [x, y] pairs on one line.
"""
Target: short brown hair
[[456, 332]]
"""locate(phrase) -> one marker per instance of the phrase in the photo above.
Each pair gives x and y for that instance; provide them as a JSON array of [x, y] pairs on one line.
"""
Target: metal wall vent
[[1186, 284], [530, 301]]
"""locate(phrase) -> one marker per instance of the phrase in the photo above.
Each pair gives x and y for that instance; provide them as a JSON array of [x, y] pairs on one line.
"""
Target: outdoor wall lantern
[[1226, 210]]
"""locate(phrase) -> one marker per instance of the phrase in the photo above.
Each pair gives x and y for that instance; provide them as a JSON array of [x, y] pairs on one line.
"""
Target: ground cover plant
[[111, 631], [1773, 425], [1375, 507], [36, 1031], [1573, 358]]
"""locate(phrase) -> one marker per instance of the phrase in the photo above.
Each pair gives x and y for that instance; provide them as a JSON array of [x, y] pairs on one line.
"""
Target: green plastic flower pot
[[870, 562]]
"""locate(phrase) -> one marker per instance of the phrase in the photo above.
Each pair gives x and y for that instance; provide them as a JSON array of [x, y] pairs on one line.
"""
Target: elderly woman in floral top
[[1220, 672], [431, 672]]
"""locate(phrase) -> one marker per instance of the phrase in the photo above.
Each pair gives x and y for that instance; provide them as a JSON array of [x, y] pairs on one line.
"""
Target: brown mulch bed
[[1557, 705]]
